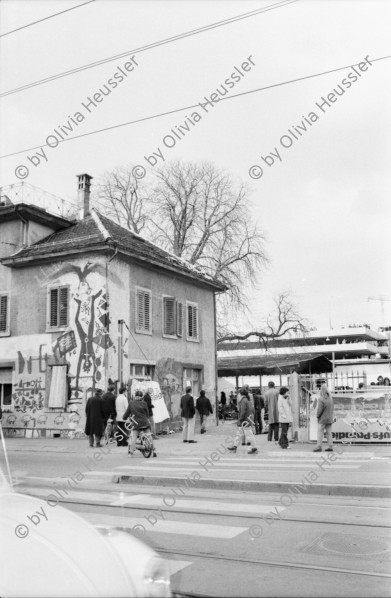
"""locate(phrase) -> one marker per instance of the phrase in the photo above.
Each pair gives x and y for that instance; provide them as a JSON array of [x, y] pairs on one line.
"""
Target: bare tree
[[122, 197], [202, 216], [283, 320]]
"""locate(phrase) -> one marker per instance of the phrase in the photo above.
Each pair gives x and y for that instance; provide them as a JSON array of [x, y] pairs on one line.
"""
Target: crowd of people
[[132, 417], [127, 417], [277, 406]]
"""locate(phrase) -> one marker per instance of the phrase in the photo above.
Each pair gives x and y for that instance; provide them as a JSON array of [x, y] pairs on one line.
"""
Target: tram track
[[271, 563], [181, 511]]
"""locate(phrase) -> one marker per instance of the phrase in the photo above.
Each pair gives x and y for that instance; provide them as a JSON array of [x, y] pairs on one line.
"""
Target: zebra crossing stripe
[[183, 528], [222, 467], [249, 462], [175, 566], [148, 501]]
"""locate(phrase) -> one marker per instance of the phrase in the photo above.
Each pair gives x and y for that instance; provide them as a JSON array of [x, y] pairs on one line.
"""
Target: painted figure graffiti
[[29, 395]]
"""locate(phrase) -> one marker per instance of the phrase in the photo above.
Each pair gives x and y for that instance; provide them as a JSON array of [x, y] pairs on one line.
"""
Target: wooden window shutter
[[195, 321], [179, 319], [3, 313], [169, 316], [143, 311], [63, 307], [53, 307], [192, 321], [147, 311]]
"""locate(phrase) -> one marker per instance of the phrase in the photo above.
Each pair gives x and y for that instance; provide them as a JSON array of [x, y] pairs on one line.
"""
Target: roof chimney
[[83, 192]]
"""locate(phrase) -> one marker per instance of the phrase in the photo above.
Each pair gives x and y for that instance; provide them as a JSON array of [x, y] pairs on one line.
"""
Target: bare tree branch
[[281, 322], [121, 197]]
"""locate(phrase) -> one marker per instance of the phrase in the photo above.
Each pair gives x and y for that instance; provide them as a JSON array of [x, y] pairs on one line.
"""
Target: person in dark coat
[[245, 420], [95, 417], [223, 398], [204, 408], [109, 409], [259, 404], [271, 407], [188, 413], [137, 412], [147, 399]]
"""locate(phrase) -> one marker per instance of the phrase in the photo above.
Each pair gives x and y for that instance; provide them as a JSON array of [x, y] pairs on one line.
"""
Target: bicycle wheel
[[146, 447]]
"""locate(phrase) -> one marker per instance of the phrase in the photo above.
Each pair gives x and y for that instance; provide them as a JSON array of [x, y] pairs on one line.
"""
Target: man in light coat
[[325, 415], [271, 408], [285, 416]]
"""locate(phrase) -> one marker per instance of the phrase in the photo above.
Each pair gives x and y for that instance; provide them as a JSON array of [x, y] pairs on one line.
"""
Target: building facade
[[84, 302]]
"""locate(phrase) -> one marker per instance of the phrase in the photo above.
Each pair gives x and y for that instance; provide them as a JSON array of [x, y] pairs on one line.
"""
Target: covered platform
[[272, 365]]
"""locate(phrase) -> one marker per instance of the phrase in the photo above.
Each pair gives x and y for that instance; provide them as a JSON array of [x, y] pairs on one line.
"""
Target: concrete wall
[[100, 294]]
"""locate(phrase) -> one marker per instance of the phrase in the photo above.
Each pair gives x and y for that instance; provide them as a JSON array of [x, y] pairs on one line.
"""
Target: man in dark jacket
[[137, 412], [204, 408], [95, 417], [245, 421], [259, 404], [148, 400], [187, 413], [109, 409], [271, 408]]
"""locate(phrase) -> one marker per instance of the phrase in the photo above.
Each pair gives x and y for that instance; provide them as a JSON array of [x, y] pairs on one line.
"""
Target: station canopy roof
[[272, 365]]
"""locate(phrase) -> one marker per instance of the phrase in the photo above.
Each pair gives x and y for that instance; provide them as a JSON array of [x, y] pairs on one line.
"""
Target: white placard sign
[[160, 412]]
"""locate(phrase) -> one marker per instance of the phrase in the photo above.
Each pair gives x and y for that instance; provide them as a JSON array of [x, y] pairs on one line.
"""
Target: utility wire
[[46, 18], [147, 47], [135, 340], [237, 95]]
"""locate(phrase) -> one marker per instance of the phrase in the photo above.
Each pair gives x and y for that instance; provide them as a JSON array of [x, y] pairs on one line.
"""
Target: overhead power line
[[236, 95], [46, 18], [147, 47]]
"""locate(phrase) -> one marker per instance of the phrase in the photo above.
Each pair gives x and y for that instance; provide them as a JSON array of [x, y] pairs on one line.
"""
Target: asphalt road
[[249, 544], [220, 542]]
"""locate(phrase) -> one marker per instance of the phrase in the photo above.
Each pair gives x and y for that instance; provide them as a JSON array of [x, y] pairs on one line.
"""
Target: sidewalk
[[356, 470]]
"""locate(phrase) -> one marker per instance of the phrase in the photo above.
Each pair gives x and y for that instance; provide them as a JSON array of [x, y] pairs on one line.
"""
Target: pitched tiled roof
[[93, 232]]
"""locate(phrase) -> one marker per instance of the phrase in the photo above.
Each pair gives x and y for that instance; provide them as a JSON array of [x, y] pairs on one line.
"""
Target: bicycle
[[143, 444]]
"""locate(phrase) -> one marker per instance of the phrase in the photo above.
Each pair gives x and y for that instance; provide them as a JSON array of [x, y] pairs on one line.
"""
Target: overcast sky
[[325, 207]]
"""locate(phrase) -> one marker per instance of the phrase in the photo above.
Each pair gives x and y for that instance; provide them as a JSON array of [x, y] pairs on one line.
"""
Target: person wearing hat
[[188, 413], [137, 412], [95, 417], [109, 409]]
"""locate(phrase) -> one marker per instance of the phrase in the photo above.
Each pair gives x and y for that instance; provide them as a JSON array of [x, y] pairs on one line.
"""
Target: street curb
[[256, 486]]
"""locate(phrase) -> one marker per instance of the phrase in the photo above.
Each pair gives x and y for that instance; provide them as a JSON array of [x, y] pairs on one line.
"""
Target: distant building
[[357, 352], [84, 301]]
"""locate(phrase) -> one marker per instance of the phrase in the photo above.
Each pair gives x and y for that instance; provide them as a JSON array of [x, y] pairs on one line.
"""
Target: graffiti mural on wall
[[29, 385], [88, 341], [169, 374], [83, 346], [29, 395]]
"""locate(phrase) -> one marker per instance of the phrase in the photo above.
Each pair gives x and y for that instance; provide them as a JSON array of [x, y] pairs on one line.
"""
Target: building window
[[6, 388], [143, 311], [4, 314], [192, 377], [142, 371], [192, 321], [58, 307], [169, 316]]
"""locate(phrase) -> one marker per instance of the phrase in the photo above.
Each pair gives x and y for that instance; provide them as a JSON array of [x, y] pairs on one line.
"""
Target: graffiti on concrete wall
[[88, 340], [169, 375], [83, 346]]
